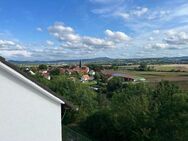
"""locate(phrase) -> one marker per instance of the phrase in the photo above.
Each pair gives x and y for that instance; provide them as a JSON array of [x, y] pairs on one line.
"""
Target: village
[[47, 71], [81, 72]]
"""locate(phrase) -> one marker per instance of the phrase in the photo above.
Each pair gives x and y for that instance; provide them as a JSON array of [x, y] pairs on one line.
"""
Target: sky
[[77, 29]]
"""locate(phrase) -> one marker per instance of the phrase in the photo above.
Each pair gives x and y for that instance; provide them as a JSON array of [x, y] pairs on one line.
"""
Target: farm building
[[126, 77], [29, 111]]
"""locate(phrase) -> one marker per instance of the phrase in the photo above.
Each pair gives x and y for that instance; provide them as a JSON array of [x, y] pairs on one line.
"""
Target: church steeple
[[80, 63]]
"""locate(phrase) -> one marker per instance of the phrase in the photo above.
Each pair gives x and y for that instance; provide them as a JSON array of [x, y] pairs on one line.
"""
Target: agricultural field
[[171, 67], [179, 78], [159, 67]]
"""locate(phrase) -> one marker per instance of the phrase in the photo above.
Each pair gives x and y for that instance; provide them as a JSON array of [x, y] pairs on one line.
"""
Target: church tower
[[80, 63]]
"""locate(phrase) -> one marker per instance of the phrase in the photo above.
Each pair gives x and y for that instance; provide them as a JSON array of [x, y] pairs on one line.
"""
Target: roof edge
[[39, 85]]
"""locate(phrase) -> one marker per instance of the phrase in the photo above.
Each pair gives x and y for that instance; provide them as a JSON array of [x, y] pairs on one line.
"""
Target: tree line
[[125, 111]]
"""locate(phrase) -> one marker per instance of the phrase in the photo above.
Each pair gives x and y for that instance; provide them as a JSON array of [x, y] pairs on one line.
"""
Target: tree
[[114, 84], [55, 71], [43, 67], [79, 94], [134, 112], [170, 111], [97, 76], [143, 67], [100, 125], [138, 113], [95, 67], [171, 119]]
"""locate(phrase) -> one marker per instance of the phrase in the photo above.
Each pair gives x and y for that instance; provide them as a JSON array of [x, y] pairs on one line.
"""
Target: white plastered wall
[[25, 113]]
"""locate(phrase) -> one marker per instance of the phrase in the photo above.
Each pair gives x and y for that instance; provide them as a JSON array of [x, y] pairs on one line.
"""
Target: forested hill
[[106, 60], [73, 61]]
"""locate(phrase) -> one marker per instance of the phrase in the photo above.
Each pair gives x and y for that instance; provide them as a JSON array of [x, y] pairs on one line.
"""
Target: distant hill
[[94, 60], [106, 60]]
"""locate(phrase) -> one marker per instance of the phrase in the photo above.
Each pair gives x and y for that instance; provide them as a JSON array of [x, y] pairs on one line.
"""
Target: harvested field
[[171, 67], [179, 78], [162, 67]]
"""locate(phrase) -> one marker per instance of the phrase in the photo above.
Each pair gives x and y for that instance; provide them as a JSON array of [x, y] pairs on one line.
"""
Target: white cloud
[[132, 13], [123, 15], [179, 11], [10, 48], [39, 29], [176, 37], [97, 42], [140, 11], [50, 43], [159, 14], [160, 45], [12, 53], [151, 38], [117, 36], [173, 39], [4, 43], [63, 33], [157, 46], [107, 7], [70, 39], [170, 32], [156, 31]]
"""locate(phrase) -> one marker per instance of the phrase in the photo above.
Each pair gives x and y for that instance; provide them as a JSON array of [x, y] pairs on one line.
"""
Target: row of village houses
[[86, 73]]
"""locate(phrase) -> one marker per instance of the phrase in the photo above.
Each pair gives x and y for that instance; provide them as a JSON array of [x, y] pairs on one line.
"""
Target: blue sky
[[74, 29]]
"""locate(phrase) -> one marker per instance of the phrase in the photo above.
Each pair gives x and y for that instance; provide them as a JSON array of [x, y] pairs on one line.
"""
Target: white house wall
[[25, 113]]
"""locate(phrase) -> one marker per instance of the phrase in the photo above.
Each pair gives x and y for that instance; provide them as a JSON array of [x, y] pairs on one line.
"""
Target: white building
[[28, 111]]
